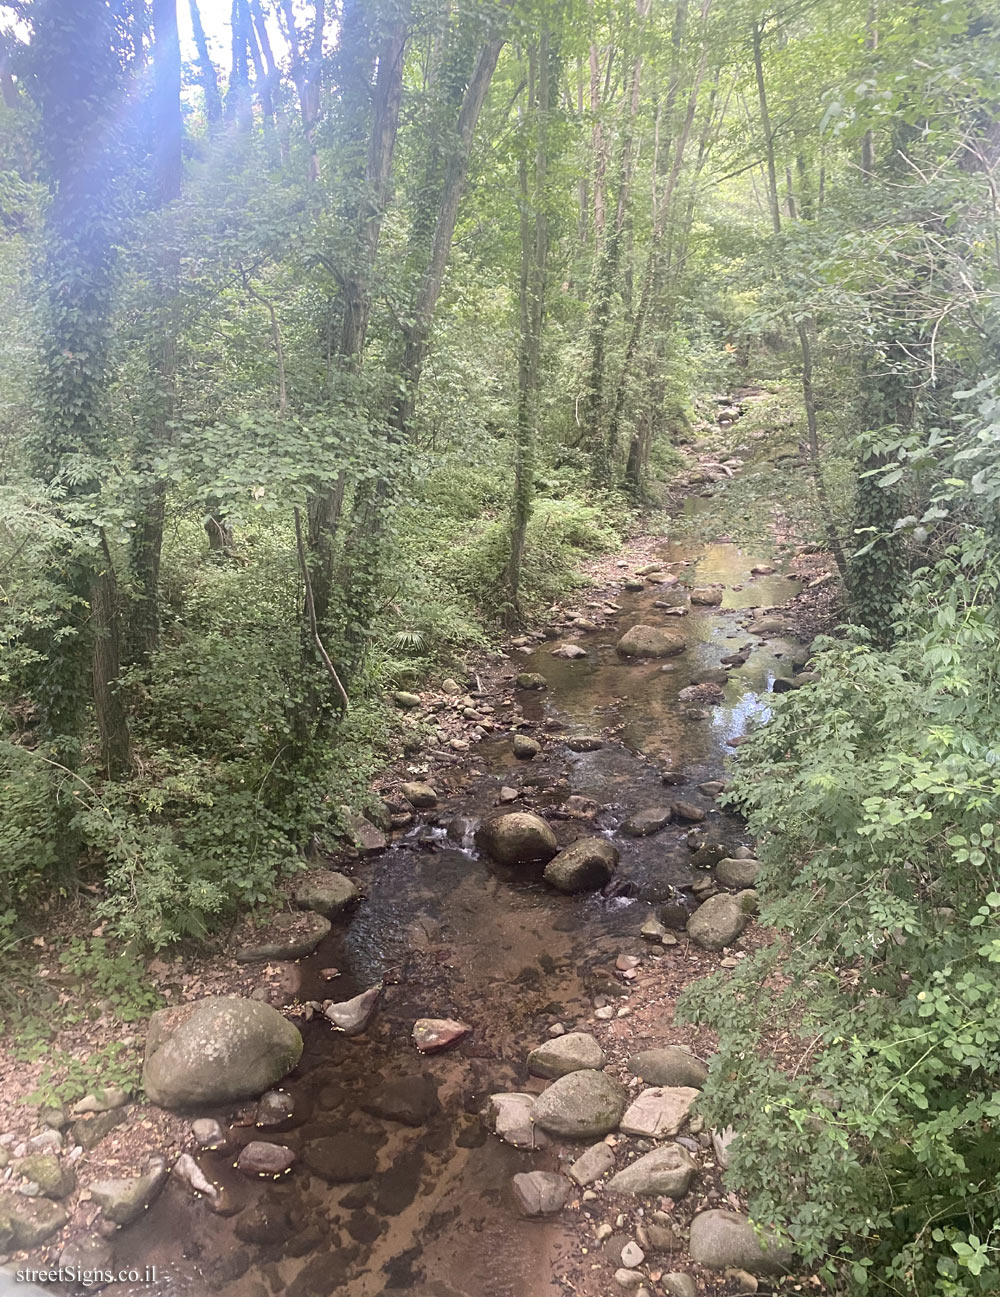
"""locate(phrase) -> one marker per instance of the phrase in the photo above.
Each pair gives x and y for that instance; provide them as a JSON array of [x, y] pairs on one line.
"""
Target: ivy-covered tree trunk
[[147, 543], [77, 84]]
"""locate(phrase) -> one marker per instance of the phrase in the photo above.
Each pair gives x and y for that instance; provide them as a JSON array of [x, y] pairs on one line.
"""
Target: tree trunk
[[531, 297], [147, 541], [206, 69], [765, 125]]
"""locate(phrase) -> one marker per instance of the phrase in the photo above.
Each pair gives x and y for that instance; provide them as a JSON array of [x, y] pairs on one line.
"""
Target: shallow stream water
[[449, 934]]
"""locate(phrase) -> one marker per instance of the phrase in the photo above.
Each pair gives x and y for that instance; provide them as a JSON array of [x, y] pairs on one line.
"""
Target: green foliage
[[66, 1078], [874, 798]]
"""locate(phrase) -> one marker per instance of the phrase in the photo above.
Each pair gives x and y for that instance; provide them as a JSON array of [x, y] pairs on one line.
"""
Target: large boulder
[[670, 1065], [724, 1240], [717, 922], [26, 1223], [216, 1050], [583, 867], [517, 838], [577, 1051], [667, 1171], [581, 1105], [649, 642]]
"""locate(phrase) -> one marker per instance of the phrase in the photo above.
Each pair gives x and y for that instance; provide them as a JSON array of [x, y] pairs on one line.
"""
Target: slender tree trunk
[[765, 125], [812, 429], [147, 540], [306, 69], [206, 69], [534, 255]]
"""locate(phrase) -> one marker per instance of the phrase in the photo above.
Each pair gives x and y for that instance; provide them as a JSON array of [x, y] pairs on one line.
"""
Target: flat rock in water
[[717, 922], [517, 838], [353, 1016], [509, 1116], [726, 1239], [569, 651], [531, 680], [287, 936], [581, 1105], [659, 1111], [585, 866], [327, 894], [665, 1172], [260, 1157], [420, 795], [670, 1065], [274, 1109], [340, 1159], [412, 1100], [649, 642], [706, 596], [737, 874], [584, 743], [687, 812], [433, 1034], [364, 835], [598, 1160], [651, 820], [526, 748], [123, 1201], [541, 1193], [215, 1050], [573, 1052]]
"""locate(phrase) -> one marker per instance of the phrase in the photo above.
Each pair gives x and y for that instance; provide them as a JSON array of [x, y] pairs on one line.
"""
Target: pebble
[[632, 1255], [602, 1232], [629, 1278], [262, 1158], [604, 1013], [557, 1029]]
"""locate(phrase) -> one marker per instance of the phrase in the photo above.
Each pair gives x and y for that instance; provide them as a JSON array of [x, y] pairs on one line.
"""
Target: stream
[[452, 935]]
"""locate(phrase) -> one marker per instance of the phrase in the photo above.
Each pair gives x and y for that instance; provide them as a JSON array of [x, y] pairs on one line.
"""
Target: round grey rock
[[215, 1050], [669, 1065], [723, 1239], [717, 922], [585, 866], [517, 838], [581, 1105], [541, 1193], [573, 1052]]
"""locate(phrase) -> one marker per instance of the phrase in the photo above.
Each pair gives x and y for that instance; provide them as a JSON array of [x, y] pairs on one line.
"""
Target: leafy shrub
[[874, 795]]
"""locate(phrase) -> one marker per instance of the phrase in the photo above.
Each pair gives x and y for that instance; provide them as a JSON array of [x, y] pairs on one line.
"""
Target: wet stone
[[261, 1158], [267, 1224], [430, 1035], [531, 680], [275, 1108], [340, 1159], [584, 743], [645, 822], [585, 866], [510, 1118], [717, 922], [540, 1193], [353, 1016], [88, 1252], [411, 1100], [687, 812], [526, 748], [208, 1133]]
